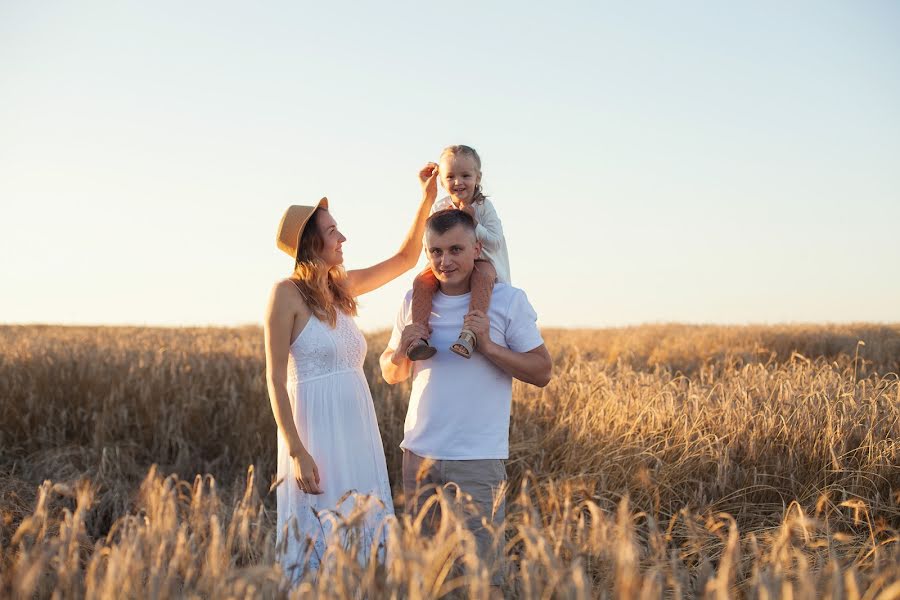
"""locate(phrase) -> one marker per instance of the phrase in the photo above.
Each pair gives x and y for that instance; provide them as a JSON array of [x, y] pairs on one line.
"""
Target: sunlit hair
[[444, 220], [325, 289], [463, 150]]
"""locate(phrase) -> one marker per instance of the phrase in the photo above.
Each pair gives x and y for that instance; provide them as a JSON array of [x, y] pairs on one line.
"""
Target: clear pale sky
[[653, 161]]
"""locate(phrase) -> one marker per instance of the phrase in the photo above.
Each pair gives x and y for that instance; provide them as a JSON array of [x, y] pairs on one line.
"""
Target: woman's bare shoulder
[[287, 294]]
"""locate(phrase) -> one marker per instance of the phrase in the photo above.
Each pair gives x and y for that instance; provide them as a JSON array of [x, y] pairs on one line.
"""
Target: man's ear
[[477, 249]]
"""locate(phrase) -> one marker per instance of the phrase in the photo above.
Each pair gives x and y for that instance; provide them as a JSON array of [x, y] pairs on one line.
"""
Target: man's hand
[[395, 365], [411, 333], [478, 323], [428, 176]]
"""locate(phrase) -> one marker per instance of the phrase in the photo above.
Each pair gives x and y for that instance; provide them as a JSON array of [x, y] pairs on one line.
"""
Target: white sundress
[[333, 411]]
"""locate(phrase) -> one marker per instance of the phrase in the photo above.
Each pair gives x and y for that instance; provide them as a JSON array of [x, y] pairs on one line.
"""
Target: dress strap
[[299, 289]]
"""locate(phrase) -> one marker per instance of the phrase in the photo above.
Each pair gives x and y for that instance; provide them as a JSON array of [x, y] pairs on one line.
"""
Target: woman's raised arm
[[372, 278]]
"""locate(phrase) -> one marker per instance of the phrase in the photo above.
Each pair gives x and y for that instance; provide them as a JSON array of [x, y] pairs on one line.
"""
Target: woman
[[328, 442]]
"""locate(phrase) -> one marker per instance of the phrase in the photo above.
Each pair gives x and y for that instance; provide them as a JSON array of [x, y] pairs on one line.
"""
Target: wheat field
[[663, 461]]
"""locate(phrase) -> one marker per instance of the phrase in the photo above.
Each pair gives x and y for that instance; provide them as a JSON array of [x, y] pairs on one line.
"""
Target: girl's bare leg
[[482, 285], [424, 287]]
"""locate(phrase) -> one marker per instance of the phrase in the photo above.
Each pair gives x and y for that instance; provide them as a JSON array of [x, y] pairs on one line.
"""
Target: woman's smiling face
[[332, 239]]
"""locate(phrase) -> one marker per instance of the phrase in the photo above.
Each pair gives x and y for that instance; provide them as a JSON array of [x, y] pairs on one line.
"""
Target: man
[[457, 424]]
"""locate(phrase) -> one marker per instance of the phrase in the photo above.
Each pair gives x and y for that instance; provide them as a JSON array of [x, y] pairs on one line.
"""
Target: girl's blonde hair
[[463, 150], [325, 289]]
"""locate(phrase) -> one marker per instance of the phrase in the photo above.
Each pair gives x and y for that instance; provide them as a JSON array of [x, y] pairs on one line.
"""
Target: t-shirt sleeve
[[522, 333], [403, 318]]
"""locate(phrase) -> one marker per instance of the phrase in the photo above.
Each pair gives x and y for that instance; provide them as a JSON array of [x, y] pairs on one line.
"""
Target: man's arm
[[395, 366], [394, 372], [534, 367]]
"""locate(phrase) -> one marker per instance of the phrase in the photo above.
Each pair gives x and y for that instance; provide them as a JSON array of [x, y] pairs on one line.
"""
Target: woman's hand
[[307, 473], [428, 177]]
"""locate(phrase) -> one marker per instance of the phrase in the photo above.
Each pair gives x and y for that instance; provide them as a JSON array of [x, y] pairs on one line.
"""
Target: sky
[[651, 162]]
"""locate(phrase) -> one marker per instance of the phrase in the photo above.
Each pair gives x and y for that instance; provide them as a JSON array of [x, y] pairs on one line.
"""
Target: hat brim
[[293, 224]]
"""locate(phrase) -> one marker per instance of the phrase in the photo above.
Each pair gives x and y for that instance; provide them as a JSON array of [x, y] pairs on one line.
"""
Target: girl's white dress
[[333, 411]]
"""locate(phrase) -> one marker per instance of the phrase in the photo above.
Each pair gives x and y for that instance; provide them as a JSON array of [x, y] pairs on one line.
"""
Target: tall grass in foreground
[[661, 461]]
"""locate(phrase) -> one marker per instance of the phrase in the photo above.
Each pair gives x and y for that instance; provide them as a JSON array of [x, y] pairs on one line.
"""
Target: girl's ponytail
[[479, 196]]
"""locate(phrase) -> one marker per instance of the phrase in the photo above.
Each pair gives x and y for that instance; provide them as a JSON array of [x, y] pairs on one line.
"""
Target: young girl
[[460, 174]]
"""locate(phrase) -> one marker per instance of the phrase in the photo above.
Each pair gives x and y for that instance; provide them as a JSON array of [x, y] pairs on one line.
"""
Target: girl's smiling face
[[460, 177]]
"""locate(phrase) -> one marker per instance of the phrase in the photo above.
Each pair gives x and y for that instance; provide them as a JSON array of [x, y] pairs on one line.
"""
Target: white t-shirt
[[459, 408], [489, 232]]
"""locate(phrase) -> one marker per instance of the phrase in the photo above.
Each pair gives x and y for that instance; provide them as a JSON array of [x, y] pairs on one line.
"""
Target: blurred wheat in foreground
[[661, 462]]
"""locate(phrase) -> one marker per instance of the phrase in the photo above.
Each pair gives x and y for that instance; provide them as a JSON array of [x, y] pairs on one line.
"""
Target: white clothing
[[459, 408], [333, 412], [489, 232]]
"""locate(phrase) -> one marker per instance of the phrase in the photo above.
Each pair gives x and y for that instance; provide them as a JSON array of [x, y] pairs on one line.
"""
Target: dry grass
[[662, 461]]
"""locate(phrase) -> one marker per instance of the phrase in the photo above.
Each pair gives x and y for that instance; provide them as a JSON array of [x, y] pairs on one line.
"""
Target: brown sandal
[[420, 350], [466, 343]]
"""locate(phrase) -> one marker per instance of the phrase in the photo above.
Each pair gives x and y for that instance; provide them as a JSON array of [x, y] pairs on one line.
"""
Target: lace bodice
[[320, 350]]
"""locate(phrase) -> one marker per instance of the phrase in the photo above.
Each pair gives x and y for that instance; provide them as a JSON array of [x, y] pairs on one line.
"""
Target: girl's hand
[[468, 208], [428, 177], [307, 473]]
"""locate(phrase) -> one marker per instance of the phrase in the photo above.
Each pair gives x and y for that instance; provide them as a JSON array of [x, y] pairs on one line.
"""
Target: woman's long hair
[[325, 289]]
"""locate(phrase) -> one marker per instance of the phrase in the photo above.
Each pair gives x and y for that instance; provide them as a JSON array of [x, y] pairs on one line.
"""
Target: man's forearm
[[532, 367], [394, 372]]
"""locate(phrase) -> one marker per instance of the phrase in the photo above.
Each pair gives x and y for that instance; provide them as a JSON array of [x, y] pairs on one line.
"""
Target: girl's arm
[[372, 278], [488, 229]]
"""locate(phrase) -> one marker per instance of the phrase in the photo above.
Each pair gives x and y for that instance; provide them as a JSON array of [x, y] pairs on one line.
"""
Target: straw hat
[[292, 225]]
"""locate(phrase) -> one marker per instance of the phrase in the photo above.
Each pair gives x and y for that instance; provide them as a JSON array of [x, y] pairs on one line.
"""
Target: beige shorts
[[483, 480]]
